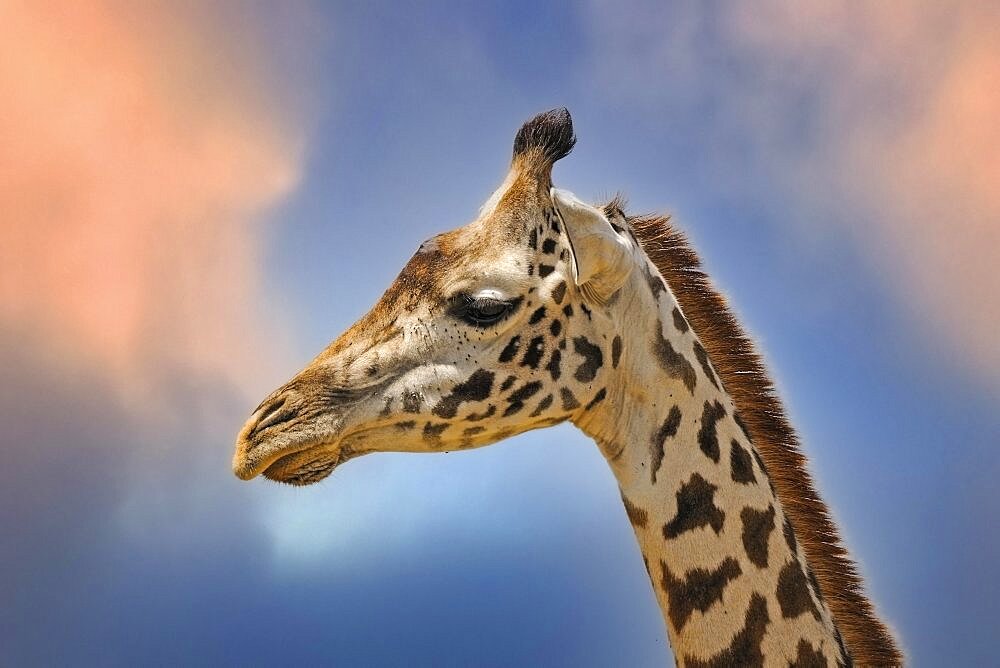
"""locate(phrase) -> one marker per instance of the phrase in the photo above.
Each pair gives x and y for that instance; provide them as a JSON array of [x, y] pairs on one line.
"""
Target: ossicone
[[544, 139]]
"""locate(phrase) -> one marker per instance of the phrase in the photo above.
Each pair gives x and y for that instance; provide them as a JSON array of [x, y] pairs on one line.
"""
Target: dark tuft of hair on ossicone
[[547, 137]]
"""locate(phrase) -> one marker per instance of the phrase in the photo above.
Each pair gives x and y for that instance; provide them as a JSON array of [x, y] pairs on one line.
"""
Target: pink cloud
[[927, 169], [937, 181], [141, 148]]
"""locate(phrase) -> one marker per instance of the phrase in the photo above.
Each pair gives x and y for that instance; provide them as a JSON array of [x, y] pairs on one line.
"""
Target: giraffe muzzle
[[261, 441], [297, 434]]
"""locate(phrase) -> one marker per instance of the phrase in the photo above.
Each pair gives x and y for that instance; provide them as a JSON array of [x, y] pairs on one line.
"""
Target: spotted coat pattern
[[433, 368], [711, 527]]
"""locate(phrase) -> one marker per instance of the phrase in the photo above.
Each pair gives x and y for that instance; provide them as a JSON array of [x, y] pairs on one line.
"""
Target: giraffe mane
[[744, 376]]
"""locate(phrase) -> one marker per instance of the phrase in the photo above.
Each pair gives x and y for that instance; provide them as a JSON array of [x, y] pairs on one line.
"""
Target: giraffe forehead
[[484, 255], [495, 253]]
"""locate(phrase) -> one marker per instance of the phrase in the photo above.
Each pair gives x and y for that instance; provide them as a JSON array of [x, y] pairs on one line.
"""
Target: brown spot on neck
[[695, 508], [636, 515], [671, 361], [699, 589], [793, 592], [744, 650], [757, 528]]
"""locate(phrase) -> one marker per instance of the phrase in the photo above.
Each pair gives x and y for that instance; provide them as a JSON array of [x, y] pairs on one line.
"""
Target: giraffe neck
[[732, 584]]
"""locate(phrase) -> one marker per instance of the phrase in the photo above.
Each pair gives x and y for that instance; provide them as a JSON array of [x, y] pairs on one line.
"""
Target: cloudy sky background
[[195, 201]]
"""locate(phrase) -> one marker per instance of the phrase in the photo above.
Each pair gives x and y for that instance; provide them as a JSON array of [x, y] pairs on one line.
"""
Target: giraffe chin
[[307, 467], [294, 469]]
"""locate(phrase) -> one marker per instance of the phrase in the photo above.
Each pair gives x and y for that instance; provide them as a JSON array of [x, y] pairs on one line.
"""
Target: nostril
[[274, 405], [274, 414]]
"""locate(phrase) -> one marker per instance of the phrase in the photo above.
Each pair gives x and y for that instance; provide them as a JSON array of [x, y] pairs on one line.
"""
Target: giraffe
[[546, 309]]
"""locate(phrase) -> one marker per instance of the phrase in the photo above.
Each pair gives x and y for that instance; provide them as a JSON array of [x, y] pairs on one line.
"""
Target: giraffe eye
[[483, 311]]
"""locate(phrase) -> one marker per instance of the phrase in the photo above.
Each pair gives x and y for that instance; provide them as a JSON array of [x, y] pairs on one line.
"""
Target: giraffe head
[[490, 330]]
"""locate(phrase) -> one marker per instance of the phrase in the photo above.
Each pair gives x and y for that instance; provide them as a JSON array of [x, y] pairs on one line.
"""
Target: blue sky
[[783, 139]]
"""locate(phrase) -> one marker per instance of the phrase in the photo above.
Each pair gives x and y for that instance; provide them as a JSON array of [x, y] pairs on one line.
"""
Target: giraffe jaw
[[301, 468], [309, 466]]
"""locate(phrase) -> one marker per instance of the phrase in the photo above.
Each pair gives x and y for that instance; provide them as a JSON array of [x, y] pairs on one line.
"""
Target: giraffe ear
[[602, 258]]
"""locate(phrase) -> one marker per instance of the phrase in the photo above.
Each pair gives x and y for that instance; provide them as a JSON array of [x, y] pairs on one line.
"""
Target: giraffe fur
[[544, 310]]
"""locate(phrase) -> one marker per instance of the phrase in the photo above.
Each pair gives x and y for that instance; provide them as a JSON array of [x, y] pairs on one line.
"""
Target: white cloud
[[884, 110]]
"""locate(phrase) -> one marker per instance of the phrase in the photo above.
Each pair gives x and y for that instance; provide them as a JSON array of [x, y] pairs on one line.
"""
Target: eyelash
[[470, 309]]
